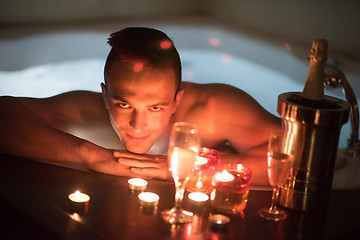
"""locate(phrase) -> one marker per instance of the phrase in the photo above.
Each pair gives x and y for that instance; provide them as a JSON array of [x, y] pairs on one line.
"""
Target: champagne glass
[[279, 161], [184, 145]]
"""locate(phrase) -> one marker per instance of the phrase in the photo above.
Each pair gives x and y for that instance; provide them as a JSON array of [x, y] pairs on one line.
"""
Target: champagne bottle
[[313, 93]]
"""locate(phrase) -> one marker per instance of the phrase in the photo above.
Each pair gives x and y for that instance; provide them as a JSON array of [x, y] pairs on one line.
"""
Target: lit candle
[[224, 176], [78, 202], [218, 222], [200, 161], [78, 197], [137, 184], [198, 197], [148, 199]]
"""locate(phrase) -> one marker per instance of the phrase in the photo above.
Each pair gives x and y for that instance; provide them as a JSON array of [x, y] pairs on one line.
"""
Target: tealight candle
[[224, 176], [218, 222], [137, 184], [231, 189], [78, 202], [198, 197], [78, 197], [148, 199], [200, 162]]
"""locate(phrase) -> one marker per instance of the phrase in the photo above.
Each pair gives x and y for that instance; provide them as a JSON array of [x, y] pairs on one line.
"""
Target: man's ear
[[178, 98], [104, 93]]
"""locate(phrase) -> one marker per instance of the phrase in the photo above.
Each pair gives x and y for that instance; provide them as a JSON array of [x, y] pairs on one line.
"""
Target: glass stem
[[179, 195], [179, 192], [275, 195]]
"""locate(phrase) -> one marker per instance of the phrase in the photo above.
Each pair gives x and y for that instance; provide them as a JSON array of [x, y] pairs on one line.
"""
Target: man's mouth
[[138, 138]]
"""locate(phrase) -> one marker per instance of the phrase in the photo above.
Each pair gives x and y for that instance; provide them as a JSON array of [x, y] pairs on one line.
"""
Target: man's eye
[[155, 109], [123, 105]]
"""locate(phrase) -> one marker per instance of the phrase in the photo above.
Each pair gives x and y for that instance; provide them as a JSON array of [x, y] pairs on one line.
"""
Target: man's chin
[[137, 149]]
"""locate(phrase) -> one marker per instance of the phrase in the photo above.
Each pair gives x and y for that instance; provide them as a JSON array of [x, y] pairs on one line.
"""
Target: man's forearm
[[27, 135]]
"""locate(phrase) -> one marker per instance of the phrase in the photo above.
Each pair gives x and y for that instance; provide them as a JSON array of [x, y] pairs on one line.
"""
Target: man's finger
[[111, 167], [152, 173], [128, 155], [141, 163]]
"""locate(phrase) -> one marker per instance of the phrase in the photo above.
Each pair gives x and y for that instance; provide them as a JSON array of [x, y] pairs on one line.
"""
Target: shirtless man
[[142, 96]]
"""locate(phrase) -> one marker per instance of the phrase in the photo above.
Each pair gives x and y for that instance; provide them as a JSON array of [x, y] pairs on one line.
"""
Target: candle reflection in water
[[76, 217], [218, 222]]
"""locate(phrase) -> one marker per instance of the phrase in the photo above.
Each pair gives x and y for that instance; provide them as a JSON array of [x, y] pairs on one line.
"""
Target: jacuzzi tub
[[44, 62]]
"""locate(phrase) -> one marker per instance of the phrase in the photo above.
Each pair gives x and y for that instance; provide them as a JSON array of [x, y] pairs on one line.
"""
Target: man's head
[[142, 47], [142, 85]]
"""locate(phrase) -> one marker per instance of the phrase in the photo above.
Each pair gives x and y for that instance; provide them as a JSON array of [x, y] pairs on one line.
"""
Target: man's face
[[140, 104]]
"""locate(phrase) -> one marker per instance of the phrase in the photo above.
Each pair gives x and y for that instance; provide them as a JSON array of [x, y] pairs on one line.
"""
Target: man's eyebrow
[[159, 104], [117, 98]]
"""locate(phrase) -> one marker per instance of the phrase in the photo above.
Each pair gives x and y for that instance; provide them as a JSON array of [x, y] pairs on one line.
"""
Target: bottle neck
[[314, 87]]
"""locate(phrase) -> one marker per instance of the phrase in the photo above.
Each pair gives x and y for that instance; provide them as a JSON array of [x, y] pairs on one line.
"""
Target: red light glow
[[287, 46], [214, 41], [138, 67], [165, 44], [189, 75], [226, 58]]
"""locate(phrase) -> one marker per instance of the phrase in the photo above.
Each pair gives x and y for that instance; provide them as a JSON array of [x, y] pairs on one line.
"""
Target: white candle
[[148, 199], [137, 184], [200, 161], [198, 197], [79, 197], [224, 176]]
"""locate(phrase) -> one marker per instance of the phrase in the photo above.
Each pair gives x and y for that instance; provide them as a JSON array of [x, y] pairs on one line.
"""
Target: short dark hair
[[148, 45]]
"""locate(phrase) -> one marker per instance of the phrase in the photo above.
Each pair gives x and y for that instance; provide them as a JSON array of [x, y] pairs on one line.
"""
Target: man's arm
[[33, 128], [255, 159], [249, 136], [26, 133], [227, 114]]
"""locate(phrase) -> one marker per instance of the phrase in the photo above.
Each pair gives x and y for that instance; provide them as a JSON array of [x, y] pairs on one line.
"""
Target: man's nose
[[138, 120]]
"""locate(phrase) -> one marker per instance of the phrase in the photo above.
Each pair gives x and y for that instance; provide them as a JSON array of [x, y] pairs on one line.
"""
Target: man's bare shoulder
[[196, 94], [224, 113], [212, 107], [74, 106]]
